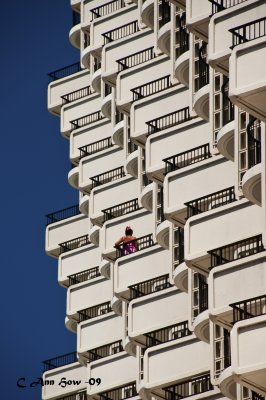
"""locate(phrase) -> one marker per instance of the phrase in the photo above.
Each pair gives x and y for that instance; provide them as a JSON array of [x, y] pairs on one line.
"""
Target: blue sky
[[35, 164]]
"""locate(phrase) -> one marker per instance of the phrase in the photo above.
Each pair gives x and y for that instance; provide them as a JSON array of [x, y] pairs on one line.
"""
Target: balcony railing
[[191, 387], [109, 176], [135, 59], [183, 44], [121, 209], [203, 294], [120, 393], [107, 8], [250, 31], [60, 361], [164, 12], [63, 72], [186, 158], [74, 243], [121, 32], [76, 396], [84, 276], [249, 308], [95, 147], [150, 286], [228, 108], [152, 87], [138, 244], [86, 120], [62, 214], [211, 201], [75, 18], [203, 67], [220, 5], [254, 142], [256, 396], [168, 120], [105, 351], [94, 311], [76, 95], [236, 251], [167, 334], [119, 116]]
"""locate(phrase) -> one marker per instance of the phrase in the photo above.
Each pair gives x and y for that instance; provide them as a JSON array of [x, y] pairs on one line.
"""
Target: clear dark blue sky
[[34, 168]]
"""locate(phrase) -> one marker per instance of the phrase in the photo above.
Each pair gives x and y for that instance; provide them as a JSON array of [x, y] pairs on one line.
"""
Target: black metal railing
[[195, 385], [121, 209], [167, 334], [62, 214], [150, 286], [120, 393], [60, 361], [152, 87], [228, 108], [183, 43], [76, 396], [95, 147], [86, 120], [256, 396], [94, 311], [220, 5], [84, 276], [210, 201], [203, 66], [249, 308], [135, 59], [108, 176], [164, 12], [254, 142], [138, 244], [168, 120], [119, 116], [160, 206], [74, 243], [107, 8], [63, 72], [203, 294], [75, 18], [105, 351], [236, 250], [121, 32], [179, 248], [76, 95], [250, 31], [186, 158]]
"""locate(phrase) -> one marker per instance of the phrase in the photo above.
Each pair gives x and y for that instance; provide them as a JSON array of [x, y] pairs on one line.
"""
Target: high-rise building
[[165, 115]]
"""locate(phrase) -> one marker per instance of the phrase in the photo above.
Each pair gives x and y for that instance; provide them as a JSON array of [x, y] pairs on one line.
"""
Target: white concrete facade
[[165, 115]]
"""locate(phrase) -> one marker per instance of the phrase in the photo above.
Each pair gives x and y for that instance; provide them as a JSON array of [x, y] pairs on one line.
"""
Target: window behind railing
[[222, 350], [105, 351], [164, 12], [74, 243], [178, 246], [249, 308], [94, 311], [167, 334], [191, 387], [199, 294], [84, 276], [108, 176], [254, 142], [150, 286], [120, 393], [181, 34]]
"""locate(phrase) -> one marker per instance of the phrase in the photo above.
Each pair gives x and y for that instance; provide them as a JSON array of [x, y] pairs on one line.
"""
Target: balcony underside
[[164, 38], [182, 68], [147, 13], [225, 141], [201, 102], [74, 36], [251, 184]]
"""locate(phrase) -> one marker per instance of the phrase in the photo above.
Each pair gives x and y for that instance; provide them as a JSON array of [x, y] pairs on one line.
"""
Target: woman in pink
[[129, 242]]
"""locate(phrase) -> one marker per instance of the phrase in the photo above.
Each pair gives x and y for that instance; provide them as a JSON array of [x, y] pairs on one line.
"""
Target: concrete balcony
[[100, 26], [114, 371], [74, 372], [63, 86], [100, 163], [183, 137], [73, 262], [76, 110], [86, 136], [123, 49], [163, 39], [226, 141], [96, 80], [198, 17], [182, 69], [88, 294], [252, 184], [156, 311], [180, 277], [92, 334], [74, 36], [73, 177], [63, 231], [161, 368], [106, 106], [136, 76], [142, 223], [203, 233], [201, 102], [247, 86], [248, 353], [220, 38], [194, 182], [120, 191], [146, 109], [233, 282], [94, 235], [84, 204], [118, 133], [131, 165], [162, 234], [140, 267], [146, 196], [147, 13]]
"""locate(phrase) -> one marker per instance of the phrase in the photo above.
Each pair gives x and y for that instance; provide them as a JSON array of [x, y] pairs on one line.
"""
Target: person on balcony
[[129, 242]]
